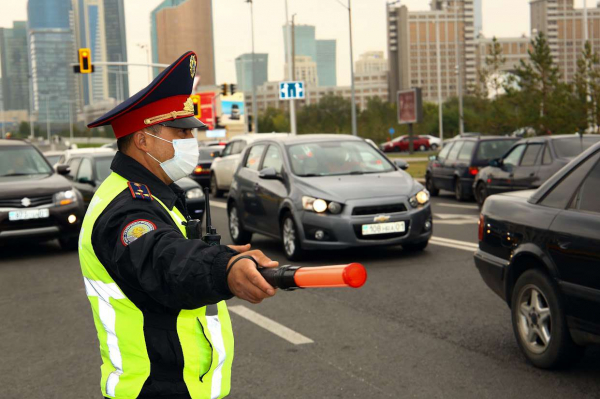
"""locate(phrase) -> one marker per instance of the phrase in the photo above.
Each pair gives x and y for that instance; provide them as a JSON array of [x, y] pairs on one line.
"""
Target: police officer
[[158, 297]]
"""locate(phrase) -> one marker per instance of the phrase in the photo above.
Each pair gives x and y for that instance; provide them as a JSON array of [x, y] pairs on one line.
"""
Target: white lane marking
[[446, 242], [452, 218], [455, 205], [221, 205], [270, 325]]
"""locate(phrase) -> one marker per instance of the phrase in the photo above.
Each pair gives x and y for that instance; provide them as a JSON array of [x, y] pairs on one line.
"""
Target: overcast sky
[[232, 28]]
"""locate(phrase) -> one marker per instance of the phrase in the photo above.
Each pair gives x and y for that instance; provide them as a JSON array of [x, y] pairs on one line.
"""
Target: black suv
[[36, 202], [529, 163], [457, 164], [539, 251]]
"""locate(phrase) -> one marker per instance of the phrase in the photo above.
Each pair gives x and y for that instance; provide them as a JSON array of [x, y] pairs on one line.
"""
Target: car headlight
[[65, 197], [320, 205], [194, 193], [420, 199]]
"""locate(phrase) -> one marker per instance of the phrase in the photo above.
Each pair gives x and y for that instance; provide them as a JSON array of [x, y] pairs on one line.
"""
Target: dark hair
[[124, 142]]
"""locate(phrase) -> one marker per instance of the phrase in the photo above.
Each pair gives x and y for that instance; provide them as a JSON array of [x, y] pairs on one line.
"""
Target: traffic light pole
[[254, 101], [291, 73]]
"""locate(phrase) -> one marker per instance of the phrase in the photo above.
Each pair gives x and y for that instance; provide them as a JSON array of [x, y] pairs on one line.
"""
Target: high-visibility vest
[[206, 339]]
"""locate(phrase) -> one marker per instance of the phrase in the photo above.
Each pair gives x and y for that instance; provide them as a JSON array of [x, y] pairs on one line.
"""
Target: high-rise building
[[563, 26], [100, 26], [478, 9], [413, 54], [14, 61], [305, 69], [326, 62], [181, 25], [245, 75], [51, 51], [370, 62], [322, 52]]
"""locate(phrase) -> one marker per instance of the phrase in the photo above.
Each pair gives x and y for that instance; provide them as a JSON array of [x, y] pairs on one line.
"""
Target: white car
[[224, 166], [68, 154], [434, 142]]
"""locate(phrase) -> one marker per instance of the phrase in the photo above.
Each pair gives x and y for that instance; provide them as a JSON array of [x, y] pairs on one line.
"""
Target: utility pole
[[354, 128], [290, 70], [254, 100], [439, 77], [293, 48], [3, 123], [461, 122]]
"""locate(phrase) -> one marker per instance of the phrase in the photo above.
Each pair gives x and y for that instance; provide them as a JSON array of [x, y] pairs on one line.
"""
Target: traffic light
[[85, 60], [218, 123], [232, 88], [197, 106], [224, 89]]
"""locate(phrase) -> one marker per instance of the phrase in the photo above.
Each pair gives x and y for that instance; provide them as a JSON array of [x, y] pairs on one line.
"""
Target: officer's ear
[[140, 141]]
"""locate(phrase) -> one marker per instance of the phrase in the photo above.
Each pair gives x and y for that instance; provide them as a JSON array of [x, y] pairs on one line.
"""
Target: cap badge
[[193, 66], [188, 105]]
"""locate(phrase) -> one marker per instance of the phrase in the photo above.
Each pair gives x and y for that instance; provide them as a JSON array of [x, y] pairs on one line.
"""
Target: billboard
[[207, 108], [410, 106], [233, 109]]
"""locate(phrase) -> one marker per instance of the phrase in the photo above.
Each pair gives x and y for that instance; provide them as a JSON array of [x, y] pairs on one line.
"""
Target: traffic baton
[[290, 277]]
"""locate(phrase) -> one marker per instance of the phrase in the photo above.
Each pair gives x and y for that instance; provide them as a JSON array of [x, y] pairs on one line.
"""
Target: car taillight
[[200, 170], [473, 170], [481, 226]]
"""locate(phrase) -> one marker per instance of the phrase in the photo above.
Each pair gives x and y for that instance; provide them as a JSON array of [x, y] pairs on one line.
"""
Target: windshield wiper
[[311, 175], [19, 174], [357, 172]]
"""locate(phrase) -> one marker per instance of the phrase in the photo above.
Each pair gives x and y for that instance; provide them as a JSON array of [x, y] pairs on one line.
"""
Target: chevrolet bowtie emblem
[[381, 218]]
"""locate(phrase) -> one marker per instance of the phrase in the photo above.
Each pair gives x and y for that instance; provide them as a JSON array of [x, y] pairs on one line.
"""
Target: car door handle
[[564, 245]]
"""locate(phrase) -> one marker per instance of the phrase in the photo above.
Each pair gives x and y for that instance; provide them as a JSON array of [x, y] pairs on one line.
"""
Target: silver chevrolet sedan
[[321, 191]]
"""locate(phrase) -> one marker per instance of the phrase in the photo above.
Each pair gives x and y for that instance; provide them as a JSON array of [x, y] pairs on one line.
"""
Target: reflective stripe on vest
[[205, 334]]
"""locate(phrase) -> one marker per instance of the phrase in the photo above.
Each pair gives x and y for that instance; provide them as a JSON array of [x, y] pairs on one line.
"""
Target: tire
[[69, 244], [415, 246], [433, 147], [539, 322], [481, 194], [214, 188], [396, 149], [431, 187], [239, 236], [290, 238], [422, 148], [458, 191]]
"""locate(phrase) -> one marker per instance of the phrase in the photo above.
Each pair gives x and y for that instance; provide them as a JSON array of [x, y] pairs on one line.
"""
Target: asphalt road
[[424, 326]]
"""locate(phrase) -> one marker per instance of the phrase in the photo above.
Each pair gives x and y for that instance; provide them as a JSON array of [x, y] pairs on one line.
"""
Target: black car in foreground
[[36, 202], [455, 167], [540, 252], [529, 163], [201, 173], [89, 170]]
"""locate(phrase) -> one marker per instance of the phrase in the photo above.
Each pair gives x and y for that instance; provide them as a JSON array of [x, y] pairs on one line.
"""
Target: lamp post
[[147, 48], [254, 100], [439, 77], [290, 70], [461, 121]]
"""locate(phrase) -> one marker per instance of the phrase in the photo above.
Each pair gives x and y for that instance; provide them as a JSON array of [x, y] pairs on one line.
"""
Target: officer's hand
[[245, 281], [240, 248]]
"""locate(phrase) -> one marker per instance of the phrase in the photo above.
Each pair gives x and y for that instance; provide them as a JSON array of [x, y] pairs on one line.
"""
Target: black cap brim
[[186, 123]]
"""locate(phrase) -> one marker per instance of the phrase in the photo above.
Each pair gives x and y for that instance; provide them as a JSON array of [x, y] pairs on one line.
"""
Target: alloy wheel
[[289, 237], [234, 223], [534, 320]]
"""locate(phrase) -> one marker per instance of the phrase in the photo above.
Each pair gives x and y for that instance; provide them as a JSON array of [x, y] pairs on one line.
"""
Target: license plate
[[28, 214], [383, 228]]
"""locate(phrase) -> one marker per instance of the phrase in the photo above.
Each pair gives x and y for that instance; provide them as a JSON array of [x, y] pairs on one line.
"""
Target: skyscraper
[[326, 62], [100, 26], [243, 68], [15, 66], [180, 25], [370, 62], [304, 40], [478, 9], [51, 51]]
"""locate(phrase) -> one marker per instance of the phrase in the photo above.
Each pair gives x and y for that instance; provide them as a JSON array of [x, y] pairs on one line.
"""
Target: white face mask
[[183, 162]]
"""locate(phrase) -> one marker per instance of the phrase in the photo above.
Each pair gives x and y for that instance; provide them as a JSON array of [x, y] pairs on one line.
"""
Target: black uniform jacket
[[161, 272]]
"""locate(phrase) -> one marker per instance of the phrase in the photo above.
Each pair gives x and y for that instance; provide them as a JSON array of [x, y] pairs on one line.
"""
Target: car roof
[[53, 153], [543, 139], [88, 150], [480, 138], [13, 143], [110, 154], [257, 136], [311, 138]]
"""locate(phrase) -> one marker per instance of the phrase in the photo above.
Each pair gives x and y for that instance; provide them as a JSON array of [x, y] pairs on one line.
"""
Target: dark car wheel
[[214, 188], [69, 243], [396, 149], [239, 236], [539, 322], [430, 186], [434, 147], [415, 246], [481, 194], [458, 190], [290, 238]]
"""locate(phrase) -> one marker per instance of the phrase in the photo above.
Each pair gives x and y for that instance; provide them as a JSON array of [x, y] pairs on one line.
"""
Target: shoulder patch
[[139, 191], [135, 230]]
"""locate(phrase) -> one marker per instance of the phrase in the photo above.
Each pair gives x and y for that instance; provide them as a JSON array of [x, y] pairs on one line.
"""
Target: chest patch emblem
[[135, 230]]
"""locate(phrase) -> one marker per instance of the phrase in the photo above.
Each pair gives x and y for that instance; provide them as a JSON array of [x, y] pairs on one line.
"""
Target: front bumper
[[54, 226], [493, 271], [345, 230]]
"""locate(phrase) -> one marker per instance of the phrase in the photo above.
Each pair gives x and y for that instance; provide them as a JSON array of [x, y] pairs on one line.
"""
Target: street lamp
[[147, 48], [291, 73], [254, 101]]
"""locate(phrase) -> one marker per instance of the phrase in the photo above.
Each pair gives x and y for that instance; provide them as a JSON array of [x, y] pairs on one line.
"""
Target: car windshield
[[493, 149], [329, 158], [572, 146], [209, 153], [103, 167], [22, 161]]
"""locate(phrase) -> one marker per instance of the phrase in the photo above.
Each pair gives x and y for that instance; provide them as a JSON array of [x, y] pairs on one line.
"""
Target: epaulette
[[139, 191]]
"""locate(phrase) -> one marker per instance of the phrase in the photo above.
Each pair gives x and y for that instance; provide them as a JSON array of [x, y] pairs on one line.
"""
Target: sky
[[232, 30]]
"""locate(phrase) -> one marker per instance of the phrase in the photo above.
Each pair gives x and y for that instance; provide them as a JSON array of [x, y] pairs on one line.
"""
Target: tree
[[273, 120], [587, 88], [330, 115]]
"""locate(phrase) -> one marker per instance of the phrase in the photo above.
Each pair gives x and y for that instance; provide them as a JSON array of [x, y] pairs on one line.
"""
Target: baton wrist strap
[[236, 261]]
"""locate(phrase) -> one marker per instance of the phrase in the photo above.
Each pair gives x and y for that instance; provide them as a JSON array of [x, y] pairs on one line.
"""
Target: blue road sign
[[291, 90], [392, 131]]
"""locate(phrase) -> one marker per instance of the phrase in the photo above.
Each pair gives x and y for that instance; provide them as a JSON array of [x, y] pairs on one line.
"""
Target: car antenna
[[211, 237]]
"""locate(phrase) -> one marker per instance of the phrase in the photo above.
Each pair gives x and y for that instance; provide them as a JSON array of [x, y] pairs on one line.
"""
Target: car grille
[[378, 209], [376, 237], [35, 201]]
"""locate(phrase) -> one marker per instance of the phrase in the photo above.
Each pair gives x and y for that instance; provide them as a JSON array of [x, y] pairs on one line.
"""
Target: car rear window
[[209, 153], [103, 167], [492, 149], [572, 146]]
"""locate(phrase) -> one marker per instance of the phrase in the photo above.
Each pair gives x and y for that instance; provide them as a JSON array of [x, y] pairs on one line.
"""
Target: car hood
[[351, 187], [32, 186]]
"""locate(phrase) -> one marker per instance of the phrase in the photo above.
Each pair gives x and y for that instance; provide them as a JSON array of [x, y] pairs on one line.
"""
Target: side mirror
[[402, 164], [268, 174], [497, 163], [433, 157], [63, 169], [85, 180]]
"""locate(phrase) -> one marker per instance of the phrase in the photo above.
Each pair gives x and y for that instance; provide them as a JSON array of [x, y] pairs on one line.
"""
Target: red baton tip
[[355, 275]]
